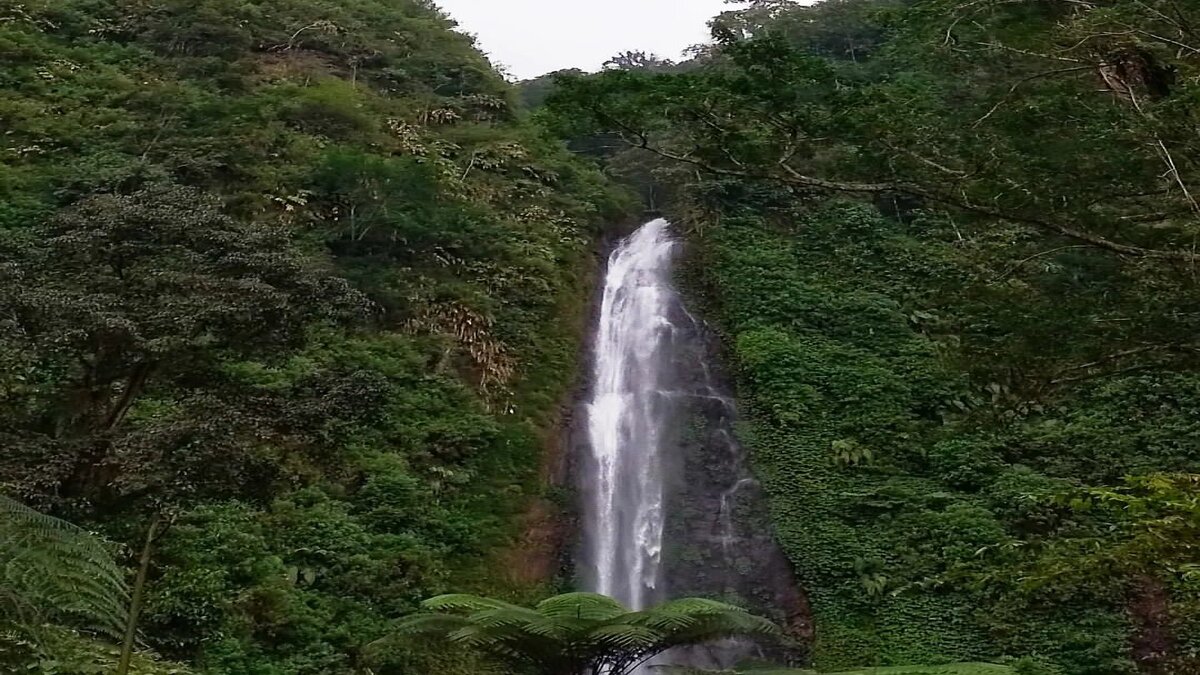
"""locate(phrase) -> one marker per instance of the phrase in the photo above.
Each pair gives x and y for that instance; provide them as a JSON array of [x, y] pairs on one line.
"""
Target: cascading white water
[[661, 459], [623, 515]]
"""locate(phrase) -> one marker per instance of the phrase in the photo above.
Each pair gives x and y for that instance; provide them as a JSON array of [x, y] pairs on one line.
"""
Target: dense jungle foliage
[[951, 247], [288, 284], [291, 291]]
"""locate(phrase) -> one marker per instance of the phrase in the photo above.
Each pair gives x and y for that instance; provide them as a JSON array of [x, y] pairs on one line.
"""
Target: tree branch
[[1025, 52], [1016, 85], [1016, 266], [795, 178], [133, 388], [1062, 377]]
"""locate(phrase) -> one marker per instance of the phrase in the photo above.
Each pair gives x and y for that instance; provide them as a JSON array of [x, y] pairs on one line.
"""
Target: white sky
[[533, 37]]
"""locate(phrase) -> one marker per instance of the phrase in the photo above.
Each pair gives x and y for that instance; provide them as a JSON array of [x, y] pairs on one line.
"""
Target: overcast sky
[[533, 37]]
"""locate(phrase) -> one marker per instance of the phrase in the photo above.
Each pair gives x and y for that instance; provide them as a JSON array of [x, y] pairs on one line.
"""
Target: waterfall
[[623, 517], [660, 462]]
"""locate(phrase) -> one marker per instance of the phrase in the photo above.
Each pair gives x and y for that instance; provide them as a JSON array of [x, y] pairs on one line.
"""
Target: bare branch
[[1064, 378], [1177, 43], [1016, 266], [1017, 85], [1025, 52]]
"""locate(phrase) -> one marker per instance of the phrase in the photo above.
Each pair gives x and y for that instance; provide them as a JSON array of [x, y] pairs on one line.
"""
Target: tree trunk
[[135, 604]]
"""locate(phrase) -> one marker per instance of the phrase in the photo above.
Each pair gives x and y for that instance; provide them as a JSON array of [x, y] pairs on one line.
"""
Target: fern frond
[[463, 602], [585, 606], [625, 637], [659, 619], [698, 606], [64, 573]]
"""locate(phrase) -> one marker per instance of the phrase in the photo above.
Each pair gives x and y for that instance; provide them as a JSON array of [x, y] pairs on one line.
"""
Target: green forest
[[294, 295]]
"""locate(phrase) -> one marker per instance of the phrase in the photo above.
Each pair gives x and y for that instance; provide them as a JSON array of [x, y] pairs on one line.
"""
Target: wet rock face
[[719, 539]]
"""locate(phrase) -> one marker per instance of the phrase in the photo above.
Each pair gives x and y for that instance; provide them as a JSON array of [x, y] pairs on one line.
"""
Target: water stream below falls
[[669, 506]]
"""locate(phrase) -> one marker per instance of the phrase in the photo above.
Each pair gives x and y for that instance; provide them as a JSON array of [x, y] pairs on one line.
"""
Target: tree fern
[[52, 572], [577, 633]]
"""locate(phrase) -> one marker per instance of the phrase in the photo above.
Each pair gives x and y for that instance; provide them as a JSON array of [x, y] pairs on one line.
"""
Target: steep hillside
[[289, 281]]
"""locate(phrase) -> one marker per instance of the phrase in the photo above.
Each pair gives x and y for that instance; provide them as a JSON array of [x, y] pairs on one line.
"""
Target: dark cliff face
[[719, 539]]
